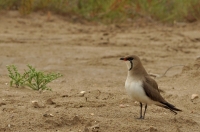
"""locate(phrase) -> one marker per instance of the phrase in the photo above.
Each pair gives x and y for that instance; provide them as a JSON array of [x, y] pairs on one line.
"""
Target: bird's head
[[132, 61]]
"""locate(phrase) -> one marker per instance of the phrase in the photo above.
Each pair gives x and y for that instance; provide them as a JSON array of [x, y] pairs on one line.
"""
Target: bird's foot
[[141, 118]]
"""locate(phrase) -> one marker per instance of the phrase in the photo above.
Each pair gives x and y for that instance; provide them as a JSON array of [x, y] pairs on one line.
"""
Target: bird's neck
[[137, 72]]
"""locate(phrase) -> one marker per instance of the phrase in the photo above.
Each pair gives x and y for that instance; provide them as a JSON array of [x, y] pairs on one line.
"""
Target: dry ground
[[88, 55]]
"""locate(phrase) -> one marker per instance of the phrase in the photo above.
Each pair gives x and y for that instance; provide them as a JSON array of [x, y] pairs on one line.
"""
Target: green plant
[[38, 80], [16, 77]]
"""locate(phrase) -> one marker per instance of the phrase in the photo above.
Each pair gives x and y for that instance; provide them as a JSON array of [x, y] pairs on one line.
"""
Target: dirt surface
[[88, 55]]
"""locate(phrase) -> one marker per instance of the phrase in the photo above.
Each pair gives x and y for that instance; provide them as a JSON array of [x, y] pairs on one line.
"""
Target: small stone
[[36, 105], [82, 92], [194, 96], [91, 114], [50, 101], [152, 129], [34, 101], [45, 115], [122, 106], [48, 115], [51, 115], [65, 95]]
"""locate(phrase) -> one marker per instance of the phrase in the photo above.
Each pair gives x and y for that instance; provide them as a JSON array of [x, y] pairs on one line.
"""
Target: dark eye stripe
[[130, 58]]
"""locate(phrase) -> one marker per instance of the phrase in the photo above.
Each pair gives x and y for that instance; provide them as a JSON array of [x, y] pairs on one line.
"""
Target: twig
[[157, 75]]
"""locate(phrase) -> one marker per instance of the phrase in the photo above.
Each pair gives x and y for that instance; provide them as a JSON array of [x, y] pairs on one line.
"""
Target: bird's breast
[[135, 90]]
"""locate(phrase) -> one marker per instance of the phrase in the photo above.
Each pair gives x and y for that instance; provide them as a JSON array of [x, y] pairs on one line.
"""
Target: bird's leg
[[140, 111], [144, 111]]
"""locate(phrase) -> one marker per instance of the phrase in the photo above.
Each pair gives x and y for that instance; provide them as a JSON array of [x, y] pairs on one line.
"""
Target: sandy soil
[[88, 55]]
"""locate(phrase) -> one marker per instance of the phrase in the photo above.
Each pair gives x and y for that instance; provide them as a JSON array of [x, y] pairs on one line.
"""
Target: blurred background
[[110, 11]]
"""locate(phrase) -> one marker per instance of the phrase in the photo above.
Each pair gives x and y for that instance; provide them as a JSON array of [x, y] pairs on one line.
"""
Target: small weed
[[16, 77], [36, 80]]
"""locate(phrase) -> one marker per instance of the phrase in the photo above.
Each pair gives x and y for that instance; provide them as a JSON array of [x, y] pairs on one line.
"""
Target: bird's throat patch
[[131, 65]]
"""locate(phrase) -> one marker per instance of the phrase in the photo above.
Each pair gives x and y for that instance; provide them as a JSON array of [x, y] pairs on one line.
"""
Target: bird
[[142, 88]]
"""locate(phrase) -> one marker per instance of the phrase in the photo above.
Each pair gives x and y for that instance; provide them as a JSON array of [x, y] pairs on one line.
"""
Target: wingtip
[[171, 107]]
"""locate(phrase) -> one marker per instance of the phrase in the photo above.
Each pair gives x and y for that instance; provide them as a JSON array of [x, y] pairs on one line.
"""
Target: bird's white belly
[[136, 92]]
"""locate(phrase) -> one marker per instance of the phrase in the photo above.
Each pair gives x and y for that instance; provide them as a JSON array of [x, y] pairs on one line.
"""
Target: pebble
[[36, 105], [51, 115], [123, 105], [152, 129], [82, 92], [48, 115], [194, 96], [50, 101]]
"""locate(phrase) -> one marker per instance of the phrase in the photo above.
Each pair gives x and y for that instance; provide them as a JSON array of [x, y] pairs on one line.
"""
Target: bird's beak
[[124, 59]]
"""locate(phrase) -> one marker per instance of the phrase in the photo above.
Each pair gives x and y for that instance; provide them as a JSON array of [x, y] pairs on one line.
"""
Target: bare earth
[[88, 55]]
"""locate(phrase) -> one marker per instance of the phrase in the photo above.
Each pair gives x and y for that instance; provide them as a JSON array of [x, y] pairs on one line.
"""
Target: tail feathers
[[170, 107]]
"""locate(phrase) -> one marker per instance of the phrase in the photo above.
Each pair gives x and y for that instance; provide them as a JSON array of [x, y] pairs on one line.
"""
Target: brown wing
[[154, 94], [151, 90], [151, 82]]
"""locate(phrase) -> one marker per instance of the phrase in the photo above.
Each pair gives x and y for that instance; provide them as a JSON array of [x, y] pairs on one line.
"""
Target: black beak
[[123, 59]]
